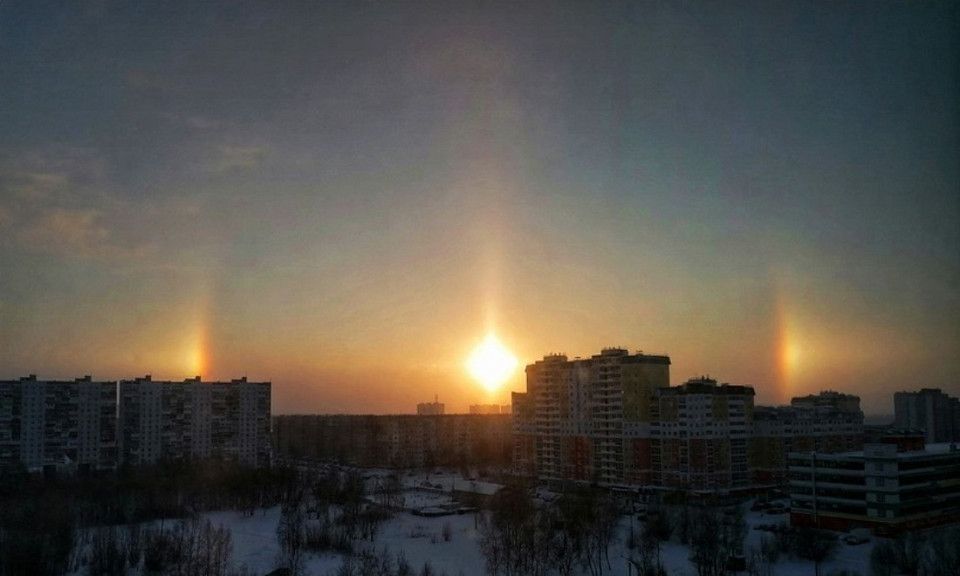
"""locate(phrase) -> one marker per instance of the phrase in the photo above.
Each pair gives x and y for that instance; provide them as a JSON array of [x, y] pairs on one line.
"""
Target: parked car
[[855, 539]]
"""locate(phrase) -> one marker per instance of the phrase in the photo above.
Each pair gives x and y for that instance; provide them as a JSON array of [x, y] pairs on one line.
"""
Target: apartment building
[[930, 410], [588, 419], [58, 424], [435, 408], [893, 486], [192, 419], [700, 435], [828, 422], [613, 419], [401, 441]]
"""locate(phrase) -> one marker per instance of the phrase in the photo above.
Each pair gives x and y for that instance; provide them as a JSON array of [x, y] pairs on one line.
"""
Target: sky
[[345, 198]]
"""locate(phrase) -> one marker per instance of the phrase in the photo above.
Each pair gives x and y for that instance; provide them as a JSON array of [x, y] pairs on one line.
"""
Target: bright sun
[[491, 363]]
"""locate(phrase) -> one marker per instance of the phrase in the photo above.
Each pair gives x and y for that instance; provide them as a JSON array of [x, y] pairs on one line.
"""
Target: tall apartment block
[[828, 423], [700, 435], [588, 419], [48, 424], [930, 410], [193, 419]]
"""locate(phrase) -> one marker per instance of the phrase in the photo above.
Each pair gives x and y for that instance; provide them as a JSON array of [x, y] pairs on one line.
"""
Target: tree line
[[53, 525]]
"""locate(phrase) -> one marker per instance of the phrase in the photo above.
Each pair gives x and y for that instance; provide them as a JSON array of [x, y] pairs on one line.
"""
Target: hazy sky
[[345, 197]]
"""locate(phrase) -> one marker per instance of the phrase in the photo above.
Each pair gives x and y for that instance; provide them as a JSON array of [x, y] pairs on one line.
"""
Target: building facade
[[829, 422], [893, 486], [487, 409], [192, 420], [700, 435], [930, 410], [56, 424], [613, 419], [588, 419], [398, 441], [434, 408]]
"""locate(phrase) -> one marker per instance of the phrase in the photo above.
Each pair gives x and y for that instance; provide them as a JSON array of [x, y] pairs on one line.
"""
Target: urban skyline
[[899, 417], [346, 199]]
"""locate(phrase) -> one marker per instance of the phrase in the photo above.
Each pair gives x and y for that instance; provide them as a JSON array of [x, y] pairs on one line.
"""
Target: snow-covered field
[[420, 539]]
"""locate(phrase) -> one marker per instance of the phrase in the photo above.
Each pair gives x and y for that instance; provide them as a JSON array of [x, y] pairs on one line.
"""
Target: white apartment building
[[193, 419], [57, 424]]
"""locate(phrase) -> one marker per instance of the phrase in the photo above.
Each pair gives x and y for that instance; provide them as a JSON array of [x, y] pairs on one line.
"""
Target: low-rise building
[[893, 486]]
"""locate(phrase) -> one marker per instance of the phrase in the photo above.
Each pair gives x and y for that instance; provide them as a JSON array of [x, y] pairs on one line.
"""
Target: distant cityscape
[[610, 420]]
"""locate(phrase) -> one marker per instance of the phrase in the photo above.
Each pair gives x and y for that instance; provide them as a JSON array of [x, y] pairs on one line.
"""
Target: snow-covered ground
[[420, 539]]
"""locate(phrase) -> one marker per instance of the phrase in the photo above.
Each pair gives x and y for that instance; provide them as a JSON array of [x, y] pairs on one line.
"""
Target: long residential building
[[893, 486], [397, 441], [83, 424]]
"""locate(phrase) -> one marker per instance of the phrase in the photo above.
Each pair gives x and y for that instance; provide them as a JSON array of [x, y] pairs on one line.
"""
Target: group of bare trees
[[815, 546], [38, 534], [190, 547], [331, 509], [936, 553], [522, 536], [79, 523], [644, 545], [709, 550]]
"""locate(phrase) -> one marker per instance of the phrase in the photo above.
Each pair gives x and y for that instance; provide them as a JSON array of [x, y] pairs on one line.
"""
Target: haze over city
[[347, 198]]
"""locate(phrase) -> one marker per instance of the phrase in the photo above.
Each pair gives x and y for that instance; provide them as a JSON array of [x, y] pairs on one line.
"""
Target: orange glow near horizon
[[491, 363], [197, 353], [788, 350]]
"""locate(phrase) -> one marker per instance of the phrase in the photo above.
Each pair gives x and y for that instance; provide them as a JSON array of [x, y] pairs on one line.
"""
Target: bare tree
[[814, 545], [292, 537], [107, 556], [508, 534], [943, 552], [706, 551], [189, 548]]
